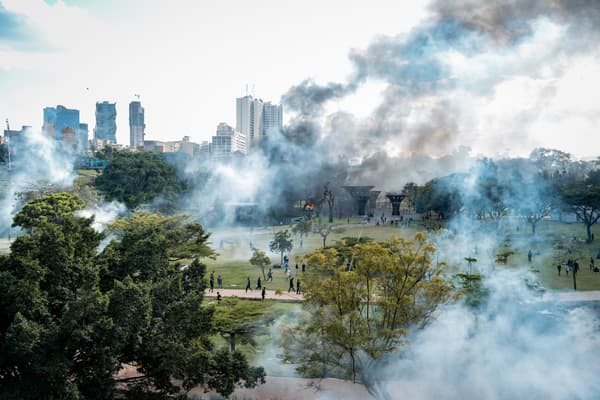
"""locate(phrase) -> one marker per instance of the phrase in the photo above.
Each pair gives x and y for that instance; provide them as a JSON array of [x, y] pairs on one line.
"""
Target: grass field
[[552, 241]]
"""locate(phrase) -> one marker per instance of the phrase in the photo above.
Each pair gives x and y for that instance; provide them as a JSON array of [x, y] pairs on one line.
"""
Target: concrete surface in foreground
[[297, 389]]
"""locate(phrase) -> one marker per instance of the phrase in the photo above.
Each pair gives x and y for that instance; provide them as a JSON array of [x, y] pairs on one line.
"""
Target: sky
[[188, 60]]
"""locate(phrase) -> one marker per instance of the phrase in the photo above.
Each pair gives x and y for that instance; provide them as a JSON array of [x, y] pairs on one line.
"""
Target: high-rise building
[[82, 138], [136, 125], [272, 119], [227, 143], [249, 118], [59, 120], [106, 125]]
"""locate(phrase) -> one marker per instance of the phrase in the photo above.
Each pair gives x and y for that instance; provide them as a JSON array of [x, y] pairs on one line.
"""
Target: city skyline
[[501, 99]]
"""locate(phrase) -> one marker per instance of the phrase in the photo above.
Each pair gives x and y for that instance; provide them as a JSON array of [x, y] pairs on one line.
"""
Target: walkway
[[582, 295], [255, 294]]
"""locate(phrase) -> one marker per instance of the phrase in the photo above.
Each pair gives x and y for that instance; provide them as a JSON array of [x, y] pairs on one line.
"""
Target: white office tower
[[249, 118]]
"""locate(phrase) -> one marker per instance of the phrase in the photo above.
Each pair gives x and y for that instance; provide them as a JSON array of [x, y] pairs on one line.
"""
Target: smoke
[[104, 214], [37, 162], [518, 346]]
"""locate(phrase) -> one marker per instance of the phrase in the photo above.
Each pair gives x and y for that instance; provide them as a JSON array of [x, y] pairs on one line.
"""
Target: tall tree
[[70, 318], [302, 228], [261, 260], [281, 243], [584, 201], [359, 315], [239, 321], [329, 197]]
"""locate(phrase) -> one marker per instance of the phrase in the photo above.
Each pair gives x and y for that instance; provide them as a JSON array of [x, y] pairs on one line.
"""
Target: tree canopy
[[136, 178], [361, 305], [72, 316], [281, 242]]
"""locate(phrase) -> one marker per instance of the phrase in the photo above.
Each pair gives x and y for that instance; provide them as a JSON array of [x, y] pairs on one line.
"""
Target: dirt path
[[255, 294]]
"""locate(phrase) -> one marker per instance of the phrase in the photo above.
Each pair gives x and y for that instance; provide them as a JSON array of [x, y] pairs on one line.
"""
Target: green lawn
[[552, 241]]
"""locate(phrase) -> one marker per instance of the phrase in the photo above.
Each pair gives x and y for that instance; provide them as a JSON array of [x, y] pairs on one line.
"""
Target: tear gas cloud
[[473, 78], [37, 162]]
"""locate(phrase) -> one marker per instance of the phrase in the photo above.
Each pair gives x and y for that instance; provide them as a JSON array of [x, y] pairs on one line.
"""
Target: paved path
[[255, 294], [587, 295], [583, 295]]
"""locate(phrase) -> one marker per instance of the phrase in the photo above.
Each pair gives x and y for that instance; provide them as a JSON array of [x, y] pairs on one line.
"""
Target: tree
[[281, 243], [330, 199], [260, 259], [358, 317], [584, 201], [136, 178], [302, 228], [441, 195], [239, 321], [325, 229], [70, 318]]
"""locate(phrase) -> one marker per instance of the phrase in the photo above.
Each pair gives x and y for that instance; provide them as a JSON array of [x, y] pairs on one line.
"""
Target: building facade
[[106, 125], [272, 119], [136, 125], [228, 143], [249, 118]]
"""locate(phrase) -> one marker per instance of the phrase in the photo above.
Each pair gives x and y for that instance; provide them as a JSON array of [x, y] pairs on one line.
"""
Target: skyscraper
[[59, 120], [136, 125], [106, 126], [82, 138], [249, 120], [272, 119]]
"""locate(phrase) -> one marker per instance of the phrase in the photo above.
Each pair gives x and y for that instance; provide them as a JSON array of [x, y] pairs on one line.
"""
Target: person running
[[248, 285], [270, 275], [303, 267], [291, 288], [212, 282], [297, 286], [258, 284], [264, 292], [220, 281]]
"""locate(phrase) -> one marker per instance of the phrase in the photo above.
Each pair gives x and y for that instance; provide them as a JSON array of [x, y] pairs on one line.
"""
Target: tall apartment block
[[136, 125], [106, 125]]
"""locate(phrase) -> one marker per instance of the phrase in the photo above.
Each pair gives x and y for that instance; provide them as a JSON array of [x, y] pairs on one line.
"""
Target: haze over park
[[299, 200]]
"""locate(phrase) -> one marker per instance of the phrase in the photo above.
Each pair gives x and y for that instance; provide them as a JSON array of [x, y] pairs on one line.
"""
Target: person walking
[[264, 292], [220, 281], [297, 286], [248, 285], [212, 281], [291, 288], [218, 297], [270, 275], [529, 256], [558, 267], [591, 263], [258, 284]]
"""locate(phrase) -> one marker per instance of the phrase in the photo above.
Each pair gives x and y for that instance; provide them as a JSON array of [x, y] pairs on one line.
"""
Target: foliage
[[441, 195], [281, 242], [584, 201], [357, 317], [325, 229], [136, 178], [260, 259], [70, 318], [239, 321], [302, 228]]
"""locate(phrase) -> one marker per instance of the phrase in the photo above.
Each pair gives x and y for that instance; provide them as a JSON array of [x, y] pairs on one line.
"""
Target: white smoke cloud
[[517, 347], [37, 162], [104, 214]]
